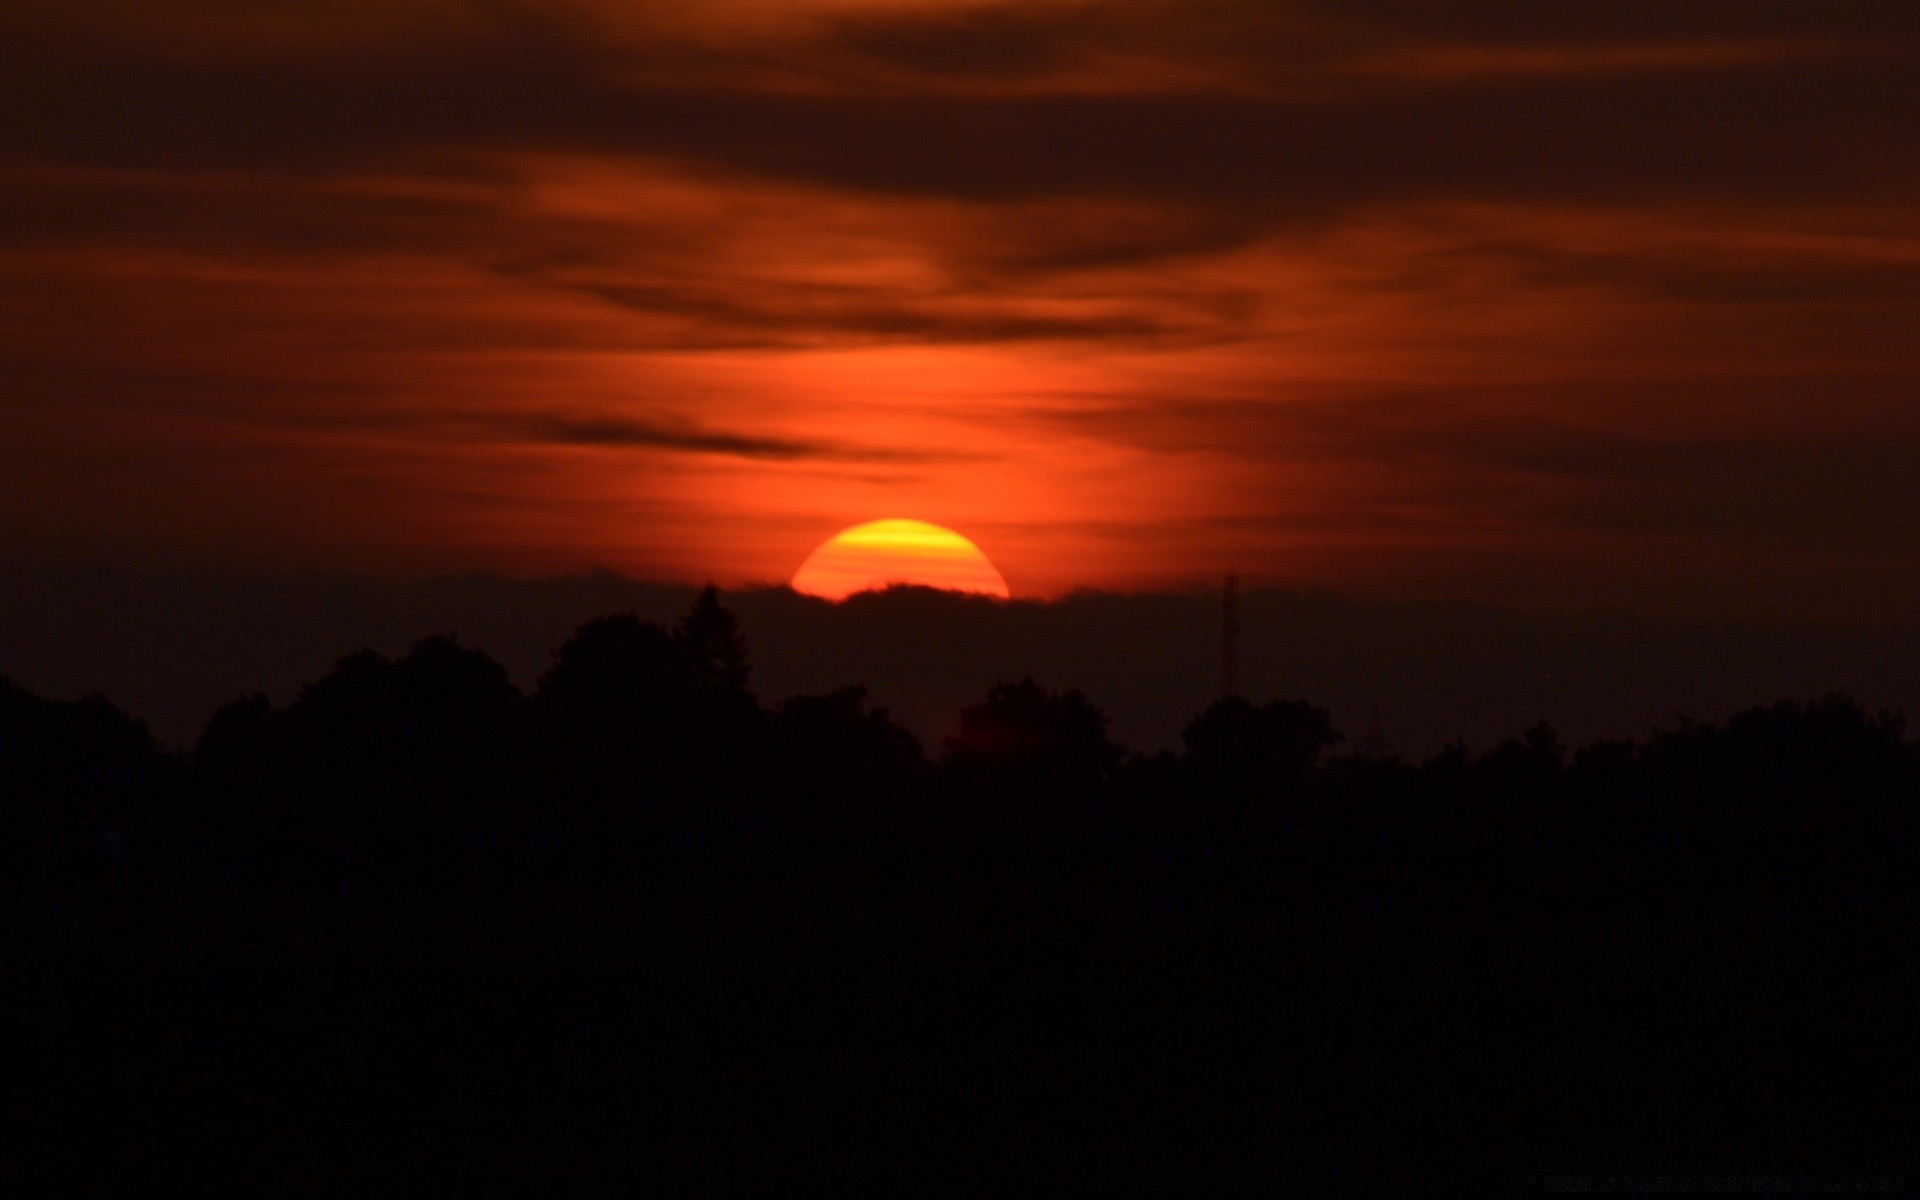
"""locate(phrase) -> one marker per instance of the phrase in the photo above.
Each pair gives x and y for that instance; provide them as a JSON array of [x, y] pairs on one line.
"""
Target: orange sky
[[1542, 307]]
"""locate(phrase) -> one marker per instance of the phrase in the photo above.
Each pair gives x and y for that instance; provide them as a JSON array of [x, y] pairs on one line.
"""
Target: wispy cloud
[[620, 433]]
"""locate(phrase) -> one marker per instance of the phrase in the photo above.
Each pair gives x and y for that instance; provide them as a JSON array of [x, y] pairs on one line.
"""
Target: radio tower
[[1230, 637]]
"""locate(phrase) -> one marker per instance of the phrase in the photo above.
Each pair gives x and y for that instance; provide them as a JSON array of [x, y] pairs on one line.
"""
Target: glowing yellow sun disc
[[882, 553]]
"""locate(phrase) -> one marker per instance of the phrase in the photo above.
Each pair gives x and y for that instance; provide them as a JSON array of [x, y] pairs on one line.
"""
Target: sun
[[881, 553]]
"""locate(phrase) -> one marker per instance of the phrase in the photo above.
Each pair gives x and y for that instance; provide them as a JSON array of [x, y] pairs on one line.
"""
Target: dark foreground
[[418, 930]]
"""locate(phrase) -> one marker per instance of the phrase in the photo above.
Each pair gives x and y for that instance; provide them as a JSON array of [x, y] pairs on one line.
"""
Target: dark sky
[[1540, 304]]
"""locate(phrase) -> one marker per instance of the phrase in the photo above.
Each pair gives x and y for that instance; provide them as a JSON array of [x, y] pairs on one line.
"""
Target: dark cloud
[[1781, 492], [1828, 125], [993, 44], [795, 314], [1722, 274], [1447, 460], [259, 212], [1527, 22], [617, 432]]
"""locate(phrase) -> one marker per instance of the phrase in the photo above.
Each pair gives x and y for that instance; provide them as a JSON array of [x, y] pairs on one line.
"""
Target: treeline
[[637, 925]]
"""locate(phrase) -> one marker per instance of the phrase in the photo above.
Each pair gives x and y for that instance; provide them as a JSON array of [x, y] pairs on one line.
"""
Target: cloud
[[1721, 117], [621, 433], [1350, 292], [800, 314]]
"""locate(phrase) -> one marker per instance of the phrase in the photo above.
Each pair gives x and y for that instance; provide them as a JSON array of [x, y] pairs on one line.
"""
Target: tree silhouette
[[1039, 737], [711, 634], [75, 778], [652, 747], [840, 744], [414, 899], [1528, 766], [621, 669], [1241, 748], [387, 769]]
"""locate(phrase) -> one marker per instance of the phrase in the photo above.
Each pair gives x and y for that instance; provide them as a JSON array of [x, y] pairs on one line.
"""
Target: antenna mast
[[1230, 636]]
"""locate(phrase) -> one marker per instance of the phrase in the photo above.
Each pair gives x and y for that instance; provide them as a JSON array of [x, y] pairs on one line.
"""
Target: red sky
[[1497, 299]]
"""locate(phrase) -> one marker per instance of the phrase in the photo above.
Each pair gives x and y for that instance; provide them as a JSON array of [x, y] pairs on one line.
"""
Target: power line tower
[[1376, 744], [1230, 636]]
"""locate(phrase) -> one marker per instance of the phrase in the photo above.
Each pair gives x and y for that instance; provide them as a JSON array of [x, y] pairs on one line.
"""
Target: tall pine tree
[[712, 634]]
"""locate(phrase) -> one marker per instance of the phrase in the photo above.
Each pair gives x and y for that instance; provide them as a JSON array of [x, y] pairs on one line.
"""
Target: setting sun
[[879, 554]]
